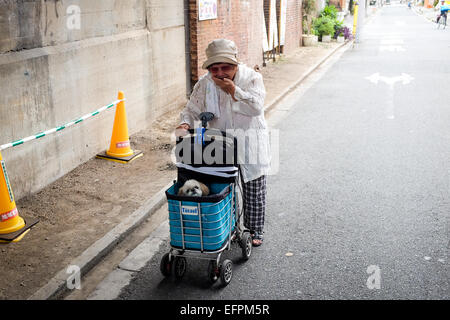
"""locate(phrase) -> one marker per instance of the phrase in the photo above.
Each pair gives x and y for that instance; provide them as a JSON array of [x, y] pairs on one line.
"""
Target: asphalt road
[[362, 199]]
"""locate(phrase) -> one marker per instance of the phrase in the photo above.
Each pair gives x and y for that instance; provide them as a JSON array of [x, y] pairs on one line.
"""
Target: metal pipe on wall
[[187, 35]]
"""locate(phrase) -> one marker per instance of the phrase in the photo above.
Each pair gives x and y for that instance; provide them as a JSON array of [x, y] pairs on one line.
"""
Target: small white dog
[[193, 188]]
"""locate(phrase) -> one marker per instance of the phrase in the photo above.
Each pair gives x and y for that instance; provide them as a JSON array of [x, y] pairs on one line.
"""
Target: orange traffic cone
[[12, 227], [119, 149]]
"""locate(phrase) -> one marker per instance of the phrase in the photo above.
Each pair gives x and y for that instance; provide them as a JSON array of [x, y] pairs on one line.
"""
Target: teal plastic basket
[[201, 223]]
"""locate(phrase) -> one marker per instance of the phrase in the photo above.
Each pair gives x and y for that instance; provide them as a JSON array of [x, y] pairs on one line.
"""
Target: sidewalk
[[89, 211]]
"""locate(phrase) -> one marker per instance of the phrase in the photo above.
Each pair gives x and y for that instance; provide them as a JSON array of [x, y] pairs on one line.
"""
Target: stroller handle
[[205, 117], [210, 132]]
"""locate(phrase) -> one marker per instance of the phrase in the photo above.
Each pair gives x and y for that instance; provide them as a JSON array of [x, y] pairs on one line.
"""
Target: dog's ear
[[204, 188], [181, 191]]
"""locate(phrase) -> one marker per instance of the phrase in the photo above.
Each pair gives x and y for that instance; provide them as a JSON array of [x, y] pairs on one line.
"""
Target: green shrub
[[329, 11], [324, 25]]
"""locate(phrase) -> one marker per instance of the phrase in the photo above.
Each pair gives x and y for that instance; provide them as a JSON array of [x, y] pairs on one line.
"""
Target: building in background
[[282, 26], [255, 26]]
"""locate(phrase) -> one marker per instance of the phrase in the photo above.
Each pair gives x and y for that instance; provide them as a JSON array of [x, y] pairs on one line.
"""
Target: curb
[[92, 255], [111, 286], [57, 286]]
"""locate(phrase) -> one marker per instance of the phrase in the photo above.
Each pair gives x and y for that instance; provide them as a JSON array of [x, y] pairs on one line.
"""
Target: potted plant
[[339, 31], [324, 26], [309, 9], [344, 33], [338, 26]]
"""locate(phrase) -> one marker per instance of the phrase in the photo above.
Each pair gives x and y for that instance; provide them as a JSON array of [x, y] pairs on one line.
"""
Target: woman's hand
[[182, 130], [226, 85]]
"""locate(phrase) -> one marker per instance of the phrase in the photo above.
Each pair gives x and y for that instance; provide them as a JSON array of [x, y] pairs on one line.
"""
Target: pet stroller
[[204, 227]]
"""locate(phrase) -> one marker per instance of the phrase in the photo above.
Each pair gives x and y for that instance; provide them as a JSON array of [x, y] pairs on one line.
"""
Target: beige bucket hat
[[221, 51]]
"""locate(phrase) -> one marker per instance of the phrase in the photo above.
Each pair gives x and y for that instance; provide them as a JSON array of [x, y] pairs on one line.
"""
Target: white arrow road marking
[[404, 78], [393, 48], [374, 78], [390, 81], [391, 41]]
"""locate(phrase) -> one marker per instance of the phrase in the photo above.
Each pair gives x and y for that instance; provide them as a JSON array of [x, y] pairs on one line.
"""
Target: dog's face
[[193, 188]]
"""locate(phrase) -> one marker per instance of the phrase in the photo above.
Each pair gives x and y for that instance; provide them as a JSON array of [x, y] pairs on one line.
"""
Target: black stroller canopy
[[207, 155]]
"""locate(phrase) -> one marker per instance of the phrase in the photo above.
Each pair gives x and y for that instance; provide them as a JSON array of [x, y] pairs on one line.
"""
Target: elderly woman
[[235, 94]]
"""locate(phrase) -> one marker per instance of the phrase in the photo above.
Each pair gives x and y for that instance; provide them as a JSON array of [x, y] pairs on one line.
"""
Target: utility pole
[[360, 19], [355, 17]]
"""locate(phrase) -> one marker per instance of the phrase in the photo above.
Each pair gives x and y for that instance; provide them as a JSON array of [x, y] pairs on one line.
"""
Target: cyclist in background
[[443, 8]]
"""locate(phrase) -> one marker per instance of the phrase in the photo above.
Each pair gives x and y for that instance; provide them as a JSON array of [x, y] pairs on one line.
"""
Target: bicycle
[[442, 20]]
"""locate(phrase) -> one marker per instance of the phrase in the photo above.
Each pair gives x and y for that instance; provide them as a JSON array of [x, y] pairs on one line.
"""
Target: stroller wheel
[[213, 271], [166, 265], [179, 266], [246, 245], [226, 272]]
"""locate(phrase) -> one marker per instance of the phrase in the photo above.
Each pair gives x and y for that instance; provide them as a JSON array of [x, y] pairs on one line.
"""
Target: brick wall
[[293, 24], [339, 4], [242, 22], [237, 20]]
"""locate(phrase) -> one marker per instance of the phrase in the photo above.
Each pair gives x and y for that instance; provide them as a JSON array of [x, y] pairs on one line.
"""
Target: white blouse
[[245, 117]]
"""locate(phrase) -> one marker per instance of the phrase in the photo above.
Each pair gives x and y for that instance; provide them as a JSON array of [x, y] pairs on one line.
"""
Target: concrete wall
[[51, 74]]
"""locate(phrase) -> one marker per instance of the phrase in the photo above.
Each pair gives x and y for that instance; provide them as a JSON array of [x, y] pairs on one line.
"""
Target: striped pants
[[254, 198]]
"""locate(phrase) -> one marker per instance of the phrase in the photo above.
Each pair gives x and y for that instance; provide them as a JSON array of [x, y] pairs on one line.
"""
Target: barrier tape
[[46, 133], [8, 186]]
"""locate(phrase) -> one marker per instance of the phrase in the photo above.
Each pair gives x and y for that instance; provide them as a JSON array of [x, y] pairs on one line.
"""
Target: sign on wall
[[207, 9]]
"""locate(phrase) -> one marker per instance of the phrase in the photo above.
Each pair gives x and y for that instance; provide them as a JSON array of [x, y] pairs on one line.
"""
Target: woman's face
[[223, 70]]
